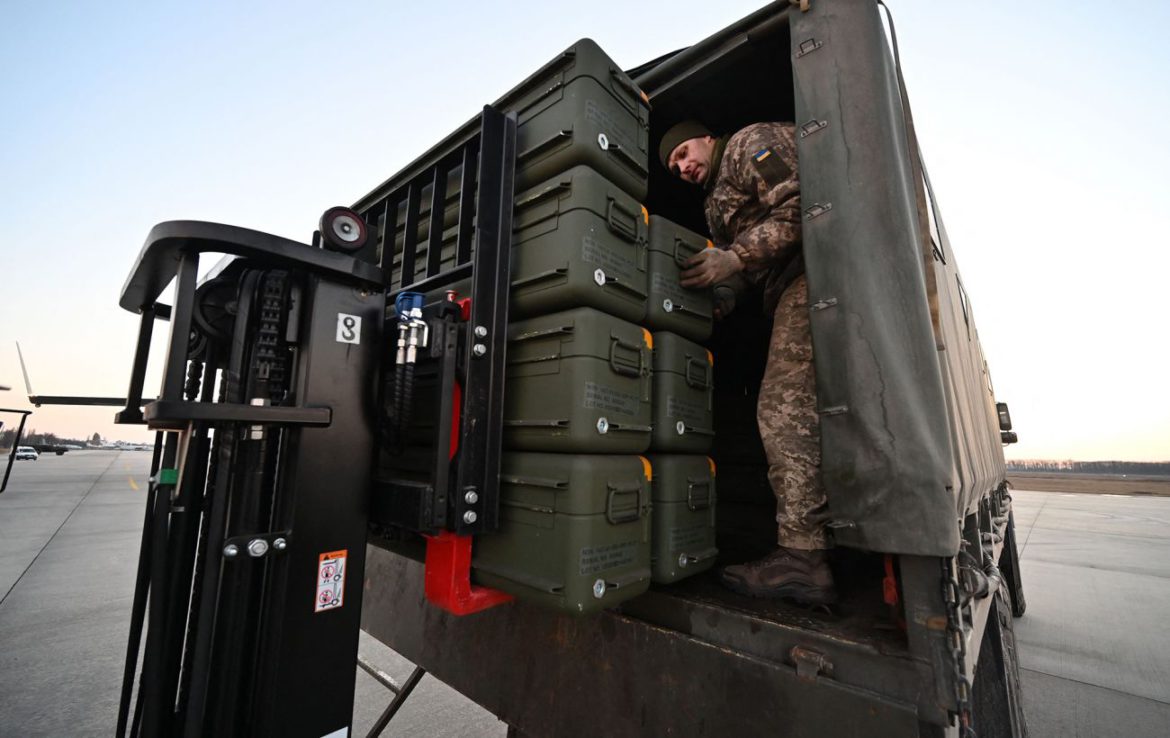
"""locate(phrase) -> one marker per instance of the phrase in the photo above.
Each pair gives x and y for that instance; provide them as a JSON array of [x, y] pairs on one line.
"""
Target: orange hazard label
[[330, 581]]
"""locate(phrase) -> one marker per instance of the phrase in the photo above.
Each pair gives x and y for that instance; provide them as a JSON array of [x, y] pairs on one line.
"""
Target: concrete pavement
[[1094, 648]]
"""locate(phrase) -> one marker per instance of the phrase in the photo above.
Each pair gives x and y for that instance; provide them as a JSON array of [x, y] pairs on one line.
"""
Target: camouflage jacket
[[753, 206]]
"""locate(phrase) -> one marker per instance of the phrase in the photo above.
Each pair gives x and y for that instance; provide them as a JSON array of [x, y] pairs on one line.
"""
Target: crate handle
[[618, 284], [557, 484], [623, 365], [632, 89], [688, 310], [552, 191], [624, 157], [554, 423], [700, 377], [561, 330], [560, 138], [627, 516], [684, 250], [625, 580], [693, 503], [545, 276], [626, 227]]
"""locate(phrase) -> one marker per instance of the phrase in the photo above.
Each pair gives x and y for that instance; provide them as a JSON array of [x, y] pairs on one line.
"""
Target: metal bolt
[[602, 426], [280, 544], [480, 331], [603, 141], [599, 588], [683, 560], [479, 349], [231, 550], [668, 306], [470, 517], [599, 277], [471, 497], [257, 547], [681, 427]]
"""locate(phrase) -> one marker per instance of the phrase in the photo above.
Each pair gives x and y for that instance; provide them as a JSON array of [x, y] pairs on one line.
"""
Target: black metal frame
[[183, 574], [15, 442], [471, 354], [228, 644], [400, 691]]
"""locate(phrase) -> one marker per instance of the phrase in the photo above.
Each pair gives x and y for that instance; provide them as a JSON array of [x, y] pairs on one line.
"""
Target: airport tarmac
[[1095, 651]]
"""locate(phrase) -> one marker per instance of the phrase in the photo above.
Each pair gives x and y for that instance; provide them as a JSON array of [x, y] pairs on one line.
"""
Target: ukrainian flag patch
[[771, 166]]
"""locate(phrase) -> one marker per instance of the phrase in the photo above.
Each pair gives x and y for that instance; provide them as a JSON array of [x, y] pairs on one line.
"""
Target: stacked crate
[[588, 389], [684, 420]]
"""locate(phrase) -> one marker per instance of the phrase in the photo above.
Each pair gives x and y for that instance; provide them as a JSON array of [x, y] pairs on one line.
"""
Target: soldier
[[753, 213]]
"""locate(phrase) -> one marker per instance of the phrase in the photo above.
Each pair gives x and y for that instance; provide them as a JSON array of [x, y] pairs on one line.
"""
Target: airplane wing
[[39, 400]]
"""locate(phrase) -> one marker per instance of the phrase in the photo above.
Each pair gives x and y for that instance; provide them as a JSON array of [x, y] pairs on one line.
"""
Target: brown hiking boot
[[786, 573]]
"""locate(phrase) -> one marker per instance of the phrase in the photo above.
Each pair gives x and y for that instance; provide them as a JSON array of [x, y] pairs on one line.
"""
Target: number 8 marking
[[349, 328]]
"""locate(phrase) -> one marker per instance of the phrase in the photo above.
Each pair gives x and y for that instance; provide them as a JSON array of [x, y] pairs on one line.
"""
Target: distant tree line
[[35, 438], [1147, 468]]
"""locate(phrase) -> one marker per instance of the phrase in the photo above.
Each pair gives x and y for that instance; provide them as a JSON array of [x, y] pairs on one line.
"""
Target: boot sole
[[799, 593]]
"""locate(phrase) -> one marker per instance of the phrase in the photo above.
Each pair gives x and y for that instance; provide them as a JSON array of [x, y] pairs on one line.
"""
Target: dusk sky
[[1043, 126]]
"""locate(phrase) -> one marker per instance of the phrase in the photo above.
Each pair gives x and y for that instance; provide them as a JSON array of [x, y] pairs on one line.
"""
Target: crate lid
[[617, 486], [581, 332]]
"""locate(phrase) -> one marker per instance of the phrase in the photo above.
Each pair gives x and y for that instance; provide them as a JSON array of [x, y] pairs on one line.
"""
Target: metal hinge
[[808, 46], [812, 127], [810, 664], [817, 209]]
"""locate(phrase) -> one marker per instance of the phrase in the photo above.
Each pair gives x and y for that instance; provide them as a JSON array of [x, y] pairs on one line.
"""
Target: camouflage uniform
[[753, 207]]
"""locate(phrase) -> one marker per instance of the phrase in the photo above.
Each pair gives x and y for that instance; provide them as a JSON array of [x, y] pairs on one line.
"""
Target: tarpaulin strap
[[890, 583], [890, 591]]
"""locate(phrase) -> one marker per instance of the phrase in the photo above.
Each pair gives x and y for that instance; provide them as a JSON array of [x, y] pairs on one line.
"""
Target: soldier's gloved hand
[[726, 295], [710, 266]]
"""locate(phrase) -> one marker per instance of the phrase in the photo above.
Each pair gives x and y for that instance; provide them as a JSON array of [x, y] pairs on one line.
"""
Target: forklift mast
[[271, 416]]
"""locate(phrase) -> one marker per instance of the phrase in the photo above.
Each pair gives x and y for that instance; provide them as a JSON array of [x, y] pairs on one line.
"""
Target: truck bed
[[687, 659]]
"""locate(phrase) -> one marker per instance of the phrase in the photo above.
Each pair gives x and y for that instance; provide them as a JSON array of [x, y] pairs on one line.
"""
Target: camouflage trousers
[[790, 426]]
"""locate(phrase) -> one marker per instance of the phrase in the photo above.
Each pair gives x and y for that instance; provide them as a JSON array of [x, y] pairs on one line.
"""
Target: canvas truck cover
[[885, 429], [904, 424]]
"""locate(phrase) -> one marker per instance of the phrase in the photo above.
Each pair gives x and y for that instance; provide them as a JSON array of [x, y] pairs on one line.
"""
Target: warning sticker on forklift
[[330, 581]]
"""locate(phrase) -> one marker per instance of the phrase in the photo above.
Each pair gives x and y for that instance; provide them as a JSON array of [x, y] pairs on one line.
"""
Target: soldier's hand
[[710, 266], [723, 302]]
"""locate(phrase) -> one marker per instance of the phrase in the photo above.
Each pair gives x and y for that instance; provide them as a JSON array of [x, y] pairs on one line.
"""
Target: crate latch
[[810, 664]]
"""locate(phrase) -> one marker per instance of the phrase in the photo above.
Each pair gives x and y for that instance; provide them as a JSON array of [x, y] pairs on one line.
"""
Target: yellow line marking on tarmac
[[133, 484]]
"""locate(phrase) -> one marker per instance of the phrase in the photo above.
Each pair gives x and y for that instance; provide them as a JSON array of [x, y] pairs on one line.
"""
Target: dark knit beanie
[[679, 132]]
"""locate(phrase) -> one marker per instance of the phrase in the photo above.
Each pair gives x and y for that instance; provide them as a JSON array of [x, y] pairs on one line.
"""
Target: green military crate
[[581, 108], [578, 240], [577, 381], [446, 259], [684, 417], [683, 494], [669, 305], [578, 109], [574, 530], [425, 200]]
